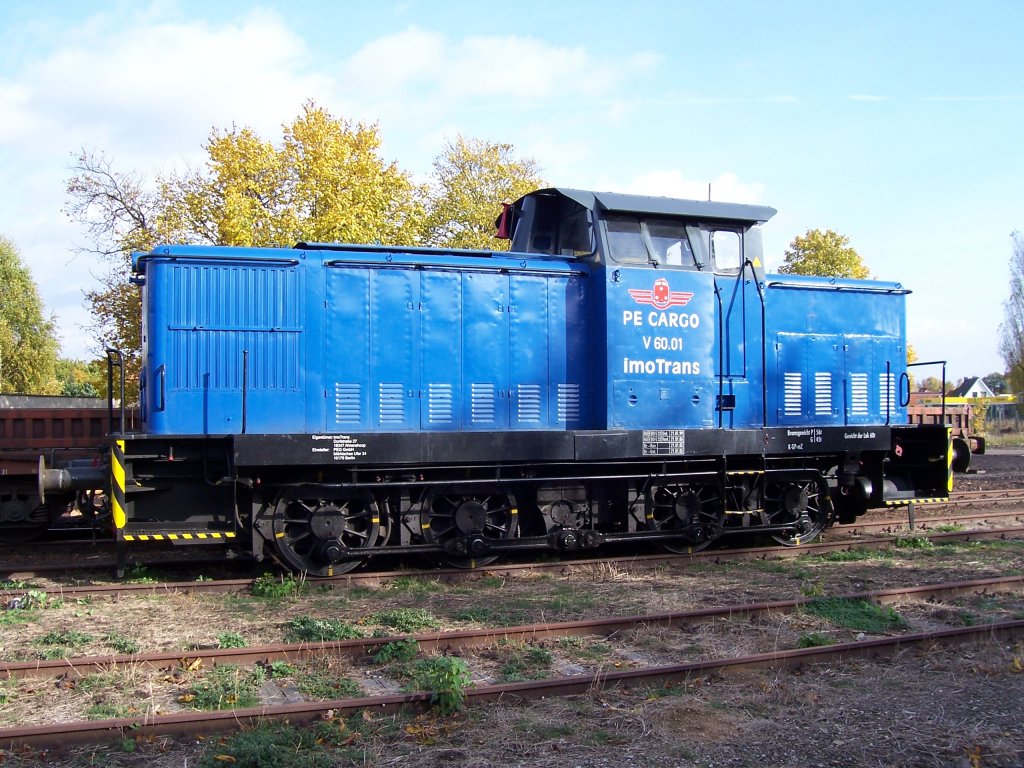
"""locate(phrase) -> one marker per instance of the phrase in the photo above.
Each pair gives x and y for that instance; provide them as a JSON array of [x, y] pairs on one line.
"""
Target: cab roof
[[665, 206]]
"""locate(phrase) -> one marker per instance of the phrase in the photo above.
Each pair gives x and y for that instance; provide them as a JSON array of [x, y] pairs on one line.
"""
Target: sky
[[899, 124]]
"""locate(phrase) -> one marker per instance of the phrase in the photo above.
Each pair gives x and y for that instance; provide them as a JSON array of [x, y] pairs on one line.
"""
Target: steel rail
[[459, 575], [475, 638], [200, 723], [922, 523]]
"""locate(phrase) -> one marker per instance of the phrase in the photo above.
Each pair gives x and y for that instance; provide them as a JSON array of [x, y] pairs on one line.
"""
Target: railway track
[[457, 575], [993, 496], [192, 723], [96, 537]]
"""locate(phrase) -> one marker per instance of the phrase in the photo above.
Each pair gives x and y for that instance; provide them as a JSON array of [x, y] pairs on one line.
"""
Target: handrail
[[899, 291], [115, 358], [721, 350], [245, 387], [419, 266], [943, 387], [764, 341], [235, 260]]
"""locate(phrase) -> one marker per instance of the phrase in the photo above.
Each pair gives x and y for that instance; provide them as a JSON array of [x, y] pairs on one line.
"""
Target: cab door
[[739, 362]]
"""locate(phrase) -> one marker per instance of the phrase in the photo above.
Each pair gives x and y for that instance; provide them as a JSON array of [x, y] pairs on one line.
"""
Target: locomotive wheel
[[805, 504], [467, 518], [695, 511], [316, 529], [21, 521], [20, 534]]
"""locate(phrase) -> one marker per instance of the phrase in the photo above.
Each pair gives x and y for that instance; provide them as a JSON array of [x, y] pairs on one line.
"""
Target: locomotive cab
[[677, 291]]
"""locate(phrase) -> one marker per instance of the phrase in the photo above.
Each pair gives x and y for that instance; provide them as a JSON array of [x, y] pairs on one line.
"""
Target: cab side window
[[625, 241], [726, 253], [669, 244], [659, 242]]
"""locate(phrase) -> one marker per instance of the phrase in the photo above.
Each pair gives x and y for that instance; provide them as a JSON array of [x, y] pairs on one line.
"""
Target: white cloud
[[146, 88], [725, 187], [504, 72], [147, 94]]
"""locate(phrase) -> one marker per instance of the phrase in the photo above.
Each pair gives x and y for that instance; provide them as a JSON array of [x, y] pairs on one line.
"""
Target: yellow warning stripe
[[949, 459], [904, 502], [178, 536], [745, 472], [117, 496]]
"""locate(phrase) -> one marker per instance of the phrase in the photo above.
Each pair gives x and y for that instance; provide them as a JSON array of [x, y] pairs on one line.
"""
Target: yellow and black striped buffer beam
[[117, 498], [180, 536], [949, 459], [905, 502]]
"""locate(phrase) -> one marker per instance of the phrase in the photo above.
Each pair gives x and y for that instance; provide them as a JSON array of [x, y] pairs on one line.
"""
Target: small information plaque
[[664, 442]]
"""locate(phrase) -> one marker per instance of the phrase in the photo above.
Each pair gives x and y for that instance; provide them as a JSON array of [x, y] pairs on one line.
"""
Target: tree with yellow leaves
[[325, 181], [28, 343], [471, 180], [827, 254]]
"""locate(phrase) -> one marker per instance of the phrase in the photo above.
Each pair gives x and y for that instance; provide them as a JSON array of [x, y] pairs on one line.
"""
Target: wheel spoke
[[695, 512], [319, 529], [448, 516], [799, 504]]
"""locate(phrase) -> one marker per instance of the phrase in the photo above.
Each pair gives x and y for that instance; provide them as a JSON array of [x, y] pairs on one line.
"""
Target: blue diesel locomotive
[[626, 372]]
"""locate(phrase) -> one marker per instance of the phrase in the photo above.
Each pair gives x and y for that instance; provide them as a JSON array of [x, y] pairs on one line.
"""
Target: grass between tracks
[[298, 611]]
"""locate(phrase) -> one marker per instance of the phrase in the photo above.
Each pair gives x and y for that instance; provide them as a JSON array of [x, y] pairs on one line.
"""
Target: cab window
[[625, 241], [661, 242], [725, 251], [669, 244]]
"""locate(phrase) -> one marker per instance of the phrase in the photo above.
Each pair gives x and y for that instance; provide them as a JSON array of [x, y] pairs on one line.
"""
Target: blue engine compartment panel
[[361, 341]]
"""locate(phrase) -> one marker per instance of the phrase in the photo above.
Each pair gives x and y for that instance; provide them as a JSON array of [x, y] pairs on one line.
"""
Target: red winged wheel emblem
[[661, 296]]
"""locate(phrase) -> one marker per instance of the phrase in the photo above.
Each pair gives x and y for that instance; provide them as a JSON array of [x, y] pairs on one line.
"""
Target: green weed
[[227, 687], [97, 681], [446, 677], [326, 685], [475, 614], [814, 640], [404, 619], [414, 585], [584, 648], [812, 589], [852, 556], [121, 643], [859, 615], [520, 661], [139, 574], [306, 629], [402, 650], [231, 640], [61, 643], [913, 542], [104, 711], [268, 746], [13, 618], [280, 669], [274, 587]]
